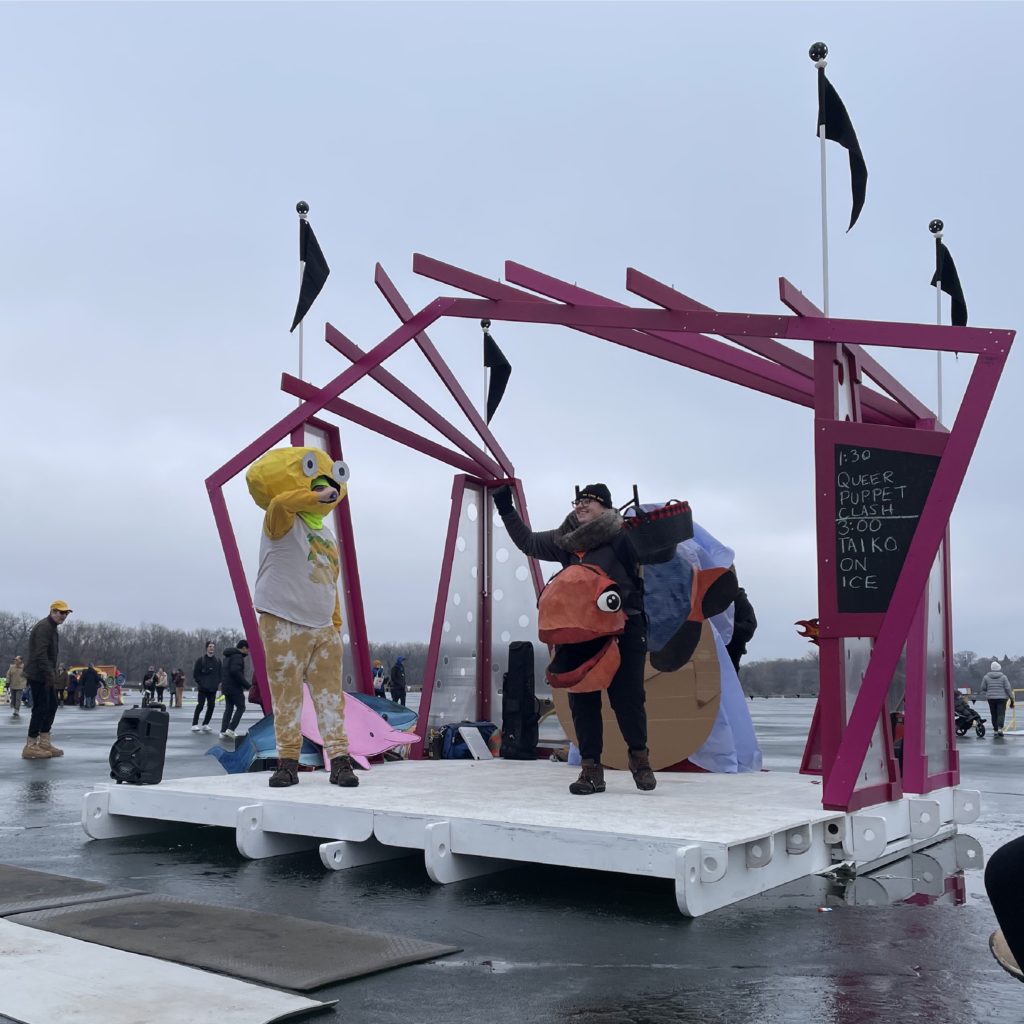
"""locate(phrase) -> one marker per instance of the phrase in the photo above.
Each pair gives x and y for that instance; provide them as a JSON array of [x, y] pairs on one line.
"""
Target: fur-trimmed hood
[[573, 537]]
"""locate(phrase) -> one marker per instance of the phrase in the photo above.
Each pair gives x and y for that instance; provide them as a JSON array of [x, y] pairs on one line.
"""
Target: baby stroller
[[967, 718]]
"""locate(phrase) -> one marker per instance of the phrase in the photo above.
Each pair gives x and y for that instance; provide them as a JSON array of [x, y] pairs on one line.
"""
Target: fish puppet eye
[[309, 464], [609, 601], [340, 472]]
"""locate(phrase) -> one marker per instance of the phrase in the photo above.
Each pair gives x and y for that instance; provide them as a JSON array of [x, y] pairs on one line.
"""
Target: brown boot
[[640, 766], [591, 779], [44, 742], [287, 774], [341, 771], [34, 752]]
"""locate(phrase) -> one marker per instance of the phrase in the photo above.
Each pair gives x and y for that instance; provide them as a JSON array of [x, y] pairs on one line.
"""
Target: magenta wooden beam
[[350, 350], [380, 425], [358, 641], [762, 374], [259, 693], [437, 629], [404, 313], [669, 350], [979, 340], [655, 291]]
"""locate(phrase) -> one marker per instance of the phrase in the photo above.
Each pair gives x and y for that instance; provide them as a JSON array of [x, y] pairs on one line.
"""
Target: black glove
[[503, 500]]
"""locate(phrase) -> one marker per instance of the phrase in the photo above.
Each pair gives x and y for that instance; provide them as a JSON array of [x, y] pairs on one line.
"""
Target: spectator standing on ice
[[234, 684], [206, 674], [996, 689], [41, 673], [398, 681], [16, 685]]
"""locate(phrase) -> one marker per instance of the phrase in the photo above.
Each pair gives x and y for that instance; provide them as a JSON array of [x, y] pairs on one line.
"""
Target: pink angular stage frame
[[829, 382]]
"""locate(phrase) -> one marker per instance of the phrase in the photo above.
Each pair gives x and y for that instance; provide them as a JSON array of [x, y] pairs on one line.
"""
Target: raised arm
[[536, 545]]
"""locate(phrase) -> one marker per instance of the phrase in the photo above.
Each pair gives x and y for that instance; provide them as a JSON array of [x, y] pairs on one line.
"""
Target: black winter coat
[[233, 676], [41, 665], [207, 673], [90, 682], [616, 555]]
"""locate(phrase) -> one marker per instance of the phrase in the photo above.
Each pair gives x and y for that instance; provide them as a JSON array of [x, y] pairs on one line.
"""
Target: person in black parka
[[398, 681], [592, 534], [206, 673], [234, 684]]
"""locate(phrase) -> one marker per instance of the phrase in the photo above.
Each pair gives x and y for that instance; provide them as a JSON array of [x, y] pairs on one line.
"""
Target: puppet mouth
[[574, 662]]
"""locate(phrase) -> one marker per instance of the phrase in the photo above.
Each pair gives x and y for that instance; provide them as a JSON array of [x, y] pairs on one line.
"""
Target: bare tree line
[[134, 648]]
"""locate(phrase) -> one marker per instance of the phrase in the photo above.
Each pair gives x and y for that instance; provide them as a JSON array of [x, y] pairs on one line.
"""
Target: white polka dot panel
[[501, 555], [456, 599], [522, 573], [471, 513], [460, 543], [524, 621], [498, 595], [506, 636]]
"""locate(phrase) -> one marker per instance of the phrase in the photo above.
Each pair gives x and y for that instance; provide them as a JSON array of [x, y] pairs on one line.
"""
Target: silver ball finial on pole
[[485, 324], [935, 227], [818, 52], [302, 208]]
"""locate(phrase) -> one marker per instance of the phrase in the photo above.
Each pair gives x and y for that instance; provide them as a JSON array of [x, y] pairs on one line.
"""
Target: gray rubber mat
[[287, 952], [22, 890]]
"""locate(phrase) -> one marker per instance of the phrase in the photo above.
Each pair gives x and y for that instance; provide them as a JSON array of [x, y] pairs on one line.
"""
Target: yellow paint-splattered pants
[[297, 654]]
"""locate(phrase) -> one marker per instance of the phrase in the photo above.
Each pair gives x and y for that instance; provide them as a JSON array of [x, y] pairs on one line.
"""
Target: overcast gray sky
[[152, 158]]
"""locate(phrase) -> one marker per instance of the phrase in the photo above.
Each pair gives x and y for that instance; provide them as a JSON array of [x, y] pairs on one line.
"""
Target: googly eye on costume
[[309, 465], [609, 601], [340, 472]]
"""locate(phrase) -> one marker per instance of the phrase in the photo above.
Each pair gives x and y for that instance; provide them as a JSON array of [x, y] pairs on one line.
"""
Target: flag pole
[[485, 326], [935, 227], [818, 52], [302, 209]]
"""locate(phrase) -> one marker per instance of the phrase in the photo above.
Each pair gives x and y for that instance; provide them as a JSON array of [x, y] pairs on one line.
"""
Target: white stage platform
[[721, 838]]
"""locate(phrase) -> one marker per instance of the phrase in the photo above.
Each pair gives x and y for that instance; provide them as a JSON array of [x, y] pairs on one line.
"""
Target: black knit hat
[[598, 492], [242, 643]]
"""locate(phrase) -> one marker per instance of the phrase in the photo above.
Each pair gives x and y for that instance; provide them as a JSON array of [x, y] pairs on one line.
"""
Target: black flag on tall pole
[[948, 280], [314, 271], [838, 128], [500, 367]]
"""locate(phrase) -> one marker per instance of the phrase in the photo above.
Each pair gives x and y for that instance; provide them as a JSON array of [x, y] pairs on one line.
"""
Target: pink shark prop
[[368, 733]]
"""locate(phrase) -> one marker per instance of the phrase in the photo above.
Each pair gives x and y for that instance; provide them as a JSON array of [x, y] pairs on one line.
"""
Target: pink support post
[[359, 643], [437, 629]]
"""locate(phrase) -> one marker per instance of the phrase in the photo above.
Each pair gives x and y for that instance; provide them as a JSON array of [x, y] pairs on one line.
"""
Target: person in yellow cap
[[41, 673], [379, 678]]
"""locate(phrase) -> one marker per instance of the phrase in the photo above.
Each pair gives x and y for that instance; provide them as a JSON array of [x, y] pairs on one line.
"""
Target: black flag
[[838, 128], [314, 272], [948, 280], [501, 370]]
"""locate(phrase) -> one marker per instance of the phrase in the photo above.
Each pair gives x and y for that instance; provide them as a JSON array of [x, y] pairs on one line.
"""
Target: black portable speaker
[[137, 755], [519, 705]]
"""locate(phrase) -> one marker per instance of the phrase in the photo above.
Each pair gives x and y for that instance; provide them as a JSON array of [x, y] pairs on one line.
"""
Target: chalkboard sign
[[879, 495]]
